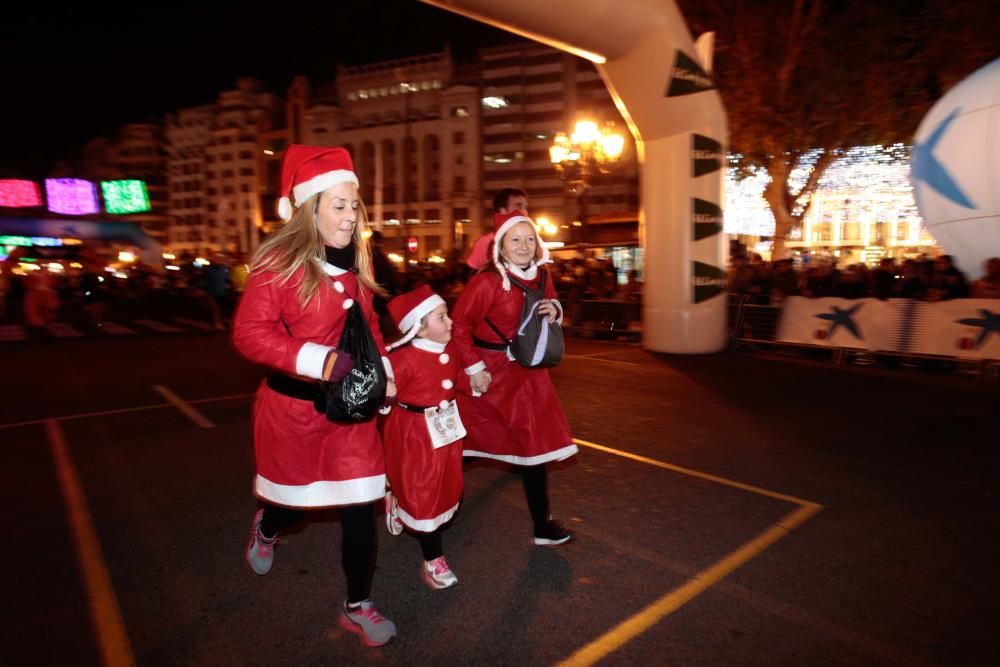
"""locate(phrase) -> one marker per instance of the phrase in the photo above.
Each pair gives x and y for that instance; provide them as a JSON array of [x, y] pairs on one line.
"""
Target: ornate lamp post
[[580, 156]]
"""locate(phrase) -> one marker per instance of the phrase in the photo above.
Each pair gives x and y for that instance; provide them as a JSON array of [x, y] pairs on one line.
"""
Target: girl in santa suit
[[423, 434], [511, 413], [302, 282]]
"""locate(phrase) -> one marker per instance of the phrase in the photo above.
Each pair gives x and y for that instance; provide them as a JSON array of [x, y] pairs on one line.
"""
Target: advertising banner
[[868, 324], [966, 328]]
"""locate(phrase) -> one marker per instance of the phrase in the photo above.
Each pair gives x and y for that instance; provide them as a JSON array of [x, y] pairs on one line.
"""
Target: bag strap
[[527, 290], [542, 273], [497, 331]]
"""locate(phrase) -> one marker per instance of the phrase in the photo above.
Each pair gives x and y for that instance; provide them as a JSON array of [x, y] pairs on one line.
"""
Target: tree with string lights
[[803, 81]]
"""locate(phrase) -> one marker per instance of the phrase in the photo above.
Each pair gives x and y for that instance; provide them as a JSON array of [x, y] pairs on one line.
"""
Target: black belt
[[289, 386], [485, 344], [412, 408]]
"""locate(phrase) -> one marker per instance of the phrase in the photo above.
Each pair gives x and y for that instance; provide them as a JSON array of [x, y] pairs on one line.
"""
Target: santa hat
[[308, 170], [479, 256], [408, 309], [502, 222]]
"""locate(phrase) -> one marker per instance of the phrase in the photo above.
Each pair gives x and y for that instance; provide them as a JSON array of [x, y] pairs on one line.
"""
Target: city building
[[214, 175], [862, 210], [412, 128], [137, 152], [530, 93]]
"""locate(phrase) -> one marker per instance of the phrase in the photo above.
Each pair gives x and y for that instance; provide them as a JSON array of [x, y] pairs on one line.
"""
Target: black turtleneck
[[342, 258]]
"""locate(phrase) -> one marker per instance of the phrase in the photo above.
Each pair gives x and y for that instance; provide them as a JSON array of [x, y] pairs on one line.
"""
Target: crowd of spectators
[[209, 293], [927, 279], [576, 279], [92, 295]]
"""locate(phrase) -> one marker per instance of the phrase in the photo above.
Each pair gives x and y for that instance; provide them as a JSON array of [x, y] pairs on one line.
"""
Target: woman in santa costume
[[511, 413], [302, 282], [423, 434]]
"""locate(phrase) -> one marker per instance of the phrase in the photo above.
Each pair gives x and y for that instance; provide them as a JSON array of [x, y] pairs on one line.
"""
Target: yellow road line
[[105, 413], [694, 473], [185, 408], [104, 610], [624, 632]]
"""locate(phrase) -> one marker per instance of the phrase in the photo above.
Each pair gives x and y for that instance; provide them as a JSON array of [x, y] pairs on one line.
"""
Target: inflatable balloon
[[955, 169]]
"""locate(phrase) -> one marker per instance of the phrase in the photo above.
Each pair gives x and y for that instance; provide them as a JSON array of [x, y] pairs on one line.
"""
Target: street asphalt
[[739, 509]]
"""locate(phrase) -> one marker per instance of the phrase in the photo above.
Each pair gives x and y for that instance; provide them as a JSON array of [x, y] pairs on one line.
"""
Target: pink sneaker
[[437, 574], [365, 621], [392, 521], [260, 549]]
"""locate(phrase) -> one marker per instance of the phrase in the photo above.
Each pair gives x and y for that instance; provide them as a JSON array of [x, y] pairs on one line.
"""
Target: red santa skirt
[[519, 420], [305, 460], [426, 482]]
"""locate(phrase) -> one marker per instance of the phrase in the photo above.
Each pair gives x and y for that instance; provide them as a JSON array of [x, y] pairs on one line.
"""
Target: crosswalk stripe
[[12, 332], [62, 330], [115, 329], [162, 327], [18, 332], [194, 324]]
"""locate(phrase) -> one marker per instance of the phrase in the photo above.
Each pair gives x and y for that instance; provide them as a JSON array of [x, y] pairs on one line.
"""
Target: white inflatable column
[[648, 61]]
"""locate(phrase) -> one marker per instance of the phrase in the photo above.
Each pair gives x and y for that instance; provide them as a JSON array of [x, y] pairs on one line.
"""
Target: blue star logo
[[926, 168], [842, 317], [988, 323]]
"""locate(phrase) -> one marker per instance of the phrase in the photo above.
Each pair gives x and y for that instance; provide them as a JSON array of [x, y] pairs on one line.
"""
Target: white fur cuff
[[310, 360]]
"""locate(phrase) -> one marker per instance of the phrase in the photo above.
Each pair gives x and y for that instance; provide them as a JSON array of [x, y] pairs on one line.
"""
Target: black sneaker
[[552, 533]]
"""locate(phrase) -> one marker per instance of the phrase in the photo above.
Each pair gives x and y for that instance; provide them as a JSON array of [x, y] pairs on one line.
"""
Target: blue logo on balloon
[[926, 167]]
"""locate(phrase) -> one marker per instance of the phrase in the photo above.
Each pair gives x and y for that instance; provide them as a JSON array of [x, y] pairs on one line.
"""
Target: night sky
[[82, 71]]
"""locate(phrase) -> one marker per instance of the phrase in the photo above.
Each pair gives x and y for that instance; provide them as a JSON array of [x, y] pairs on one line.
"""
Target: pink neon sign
[[17, 193]]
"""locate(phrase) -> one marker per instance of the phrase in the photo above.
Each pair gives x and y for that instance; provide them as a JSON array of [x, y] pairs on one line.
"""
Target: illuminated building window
[[494, 102]]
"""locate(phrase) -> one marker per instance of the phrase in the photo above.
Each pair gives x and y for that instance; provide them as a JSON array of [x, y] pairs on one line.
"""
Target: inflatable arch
[[645, 55]]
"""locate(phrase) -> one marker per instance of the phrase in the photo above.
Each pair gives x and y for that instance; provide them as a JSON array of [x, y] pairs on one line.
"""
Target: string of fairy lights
[[866, 187]]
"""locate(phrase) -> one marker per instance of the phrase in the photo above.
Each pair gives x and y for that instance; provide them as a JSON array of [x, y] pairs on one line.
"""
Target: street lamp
[[576, 158]]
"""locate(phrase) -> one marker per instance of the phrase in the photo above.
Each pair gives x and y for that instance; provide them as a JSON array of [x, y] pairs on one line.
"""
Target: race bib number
[[444, 425]]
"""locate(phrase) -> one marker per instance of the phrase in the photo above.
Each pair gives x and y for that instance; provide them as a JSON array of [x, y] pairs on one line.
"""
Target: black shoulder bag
[[361, 393], [537, 343]]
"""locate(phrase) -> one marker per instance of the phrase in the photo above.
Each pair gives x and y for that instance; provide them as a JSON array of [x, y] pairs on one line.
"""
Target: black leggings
[[430, 544], [358, 547], [536, 490]]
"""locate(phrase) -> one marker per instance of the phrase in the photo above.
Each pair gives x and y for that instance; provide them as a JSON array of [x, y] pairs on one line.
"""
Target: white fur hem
[[427, 525], [412, 318], [331, 270], [475, 368], [556, 455], [310, 360], [322, 494], [317, 184]]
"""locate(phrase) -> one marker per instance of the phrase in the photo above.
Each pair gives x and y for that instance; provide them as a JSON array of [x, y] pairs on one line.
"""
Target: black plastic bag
[[361, 393]]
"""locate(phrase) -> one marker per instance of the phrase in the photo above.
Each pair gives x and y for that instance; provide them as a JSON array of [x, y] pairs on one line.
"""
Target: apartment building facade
[[412, 128], [531, 92]]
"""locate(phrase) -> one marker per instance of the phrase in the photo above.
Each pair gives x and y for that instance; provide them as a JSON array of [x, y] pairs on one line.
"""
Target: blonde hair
[[299, 245]]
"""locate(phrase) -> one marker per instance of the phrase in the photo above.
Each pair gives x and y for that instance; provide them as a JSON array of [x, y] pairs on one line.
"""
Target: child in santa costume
[[423, 434], [302, 282], [511, 413]]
